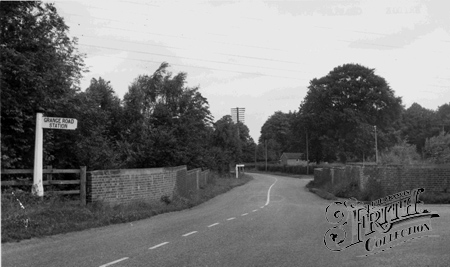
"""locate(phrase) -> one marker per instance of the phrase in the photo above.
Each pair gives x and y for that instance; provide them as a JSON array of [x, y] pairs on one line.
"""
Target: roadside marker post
[[48, 123], [237, 169]]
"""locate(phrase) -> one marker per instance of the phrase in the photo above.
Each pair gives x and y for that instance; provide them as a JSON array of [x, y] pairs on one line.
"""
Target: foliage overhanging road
[[234, 229]]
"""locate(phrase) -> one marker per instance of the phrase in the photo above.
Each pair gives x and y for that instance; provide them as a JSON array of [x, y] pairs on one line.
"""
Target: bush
[[437, 149], [402, 153], [287, 169]]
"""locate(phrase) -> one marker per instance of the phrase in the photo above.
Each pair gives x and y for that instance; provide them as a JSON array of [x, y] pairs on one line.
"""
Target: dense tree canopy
[[278, 134], [341, 109], [231, 143], [418, 124], [40, 69], [166, 123]]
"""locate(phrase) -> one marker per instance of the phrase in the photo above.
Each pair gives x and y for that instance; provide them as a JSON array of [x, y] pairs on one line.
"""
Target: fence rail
[[82, 181]]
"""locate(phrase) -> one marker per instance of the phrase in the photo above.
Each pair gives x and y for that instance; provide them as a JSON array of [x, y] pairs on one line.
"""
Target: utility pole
[[265, 143], [237, 115], [256, 147], [376, 145], [307, 154]]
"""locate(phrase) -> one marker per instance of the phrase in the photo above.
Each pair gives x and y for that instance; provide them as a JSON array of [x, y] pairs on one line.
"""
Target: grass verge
[[373, 191], [298, 176], [25, 216]]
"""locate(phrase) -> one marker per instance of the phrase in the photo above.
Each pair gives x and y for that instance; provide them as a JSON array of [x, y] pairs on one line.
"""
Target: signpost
[[48, 123]]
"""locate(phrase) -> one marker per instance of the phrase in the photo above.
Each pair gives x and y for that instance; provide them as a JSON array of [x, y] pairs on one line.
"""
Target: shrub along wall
[[391, 179], [298, 169], [122, 186]]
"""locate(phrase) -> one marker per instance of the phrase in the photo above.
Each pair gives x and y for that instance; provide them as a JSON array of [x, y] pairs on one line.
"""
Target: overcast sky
[[261, 55]]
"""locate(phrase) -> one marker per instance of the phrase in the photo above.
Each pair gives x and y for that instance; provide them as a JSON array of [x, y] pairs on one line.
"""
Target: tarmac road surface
[[271, 221]]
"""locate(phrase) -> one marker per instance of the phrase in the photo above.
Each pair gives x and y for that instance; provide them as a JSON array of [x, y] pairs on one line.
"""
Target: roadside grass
[[436, 198], [298, 176], [372, 191], [25, 216]]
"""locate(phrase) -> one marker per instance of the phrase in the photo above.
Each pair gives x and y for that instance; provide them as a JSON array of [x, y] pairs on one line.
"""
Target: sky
[[261, 55]]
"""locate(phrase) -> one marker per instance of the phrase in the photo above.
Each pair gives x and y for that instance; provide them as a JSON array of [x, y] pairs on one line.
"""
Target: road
[[271, 221]]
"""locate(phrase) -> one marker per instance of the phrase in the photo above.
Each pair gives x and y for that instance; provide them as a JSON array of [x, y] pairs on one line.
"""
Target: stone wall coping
[[391, 166], [136, 171], [194, 170]]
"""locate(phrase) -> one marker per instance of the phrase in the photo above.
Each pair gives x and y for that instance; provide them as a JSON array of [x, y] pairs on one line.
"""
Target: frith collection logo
[[383, 224]]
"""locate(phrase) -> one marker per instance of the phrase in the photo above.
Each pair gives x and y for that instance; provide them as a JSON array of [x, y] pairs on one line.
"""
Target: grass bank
[[292, 175], [372, 191], [25, 216]]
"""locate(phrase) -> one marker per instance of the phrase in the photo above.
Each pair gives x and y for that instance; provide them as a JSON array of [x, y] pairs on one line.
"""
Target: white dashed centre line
[[190, 233], [254, 210], [159, 245], [244, 214], [114, 262], [232, 218], [268, 192], [214, 224], [262, 207]]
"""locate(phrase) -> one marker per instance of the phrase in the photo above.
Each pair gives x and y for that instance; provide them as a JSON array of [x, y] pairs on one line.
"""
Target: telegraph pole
[[237, 114], [307, 154], [265, 144], [376, 145]]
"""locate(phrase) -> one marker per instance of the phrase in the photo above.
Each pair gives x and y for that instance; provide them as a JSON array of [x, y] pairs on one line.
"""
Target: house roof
[[292, 155]]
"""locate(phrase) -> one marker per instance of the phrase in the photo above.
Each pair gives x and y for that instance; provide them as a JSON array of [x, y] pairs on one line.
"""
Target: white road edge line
[[244, 214], [114, 262], [159, 245], [214, 224], [232, 218], [268, 192], [190, 233]]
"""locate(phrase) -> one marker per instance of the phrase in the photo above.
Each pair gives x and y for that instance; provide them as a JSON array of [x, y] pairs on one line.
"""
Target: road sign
[[48, 123], [59, 123]]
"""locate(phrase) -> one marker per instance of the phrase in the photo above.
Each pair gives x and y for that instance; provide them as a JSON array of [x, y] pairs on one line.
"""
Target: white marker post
[[49, 123], [38, 188], [237, 169]]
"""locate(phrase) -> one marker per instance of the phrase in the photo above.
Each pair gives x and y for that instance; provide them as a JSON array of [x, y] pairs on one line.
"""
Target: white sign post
[[237, 169], [49, 123]]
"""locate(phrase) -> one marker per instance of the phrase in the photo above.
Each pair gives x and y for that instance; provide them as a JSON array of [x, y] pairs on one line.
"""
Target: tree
[[278, 131], [437, 148], [443, 117], [40, 70], [418, 124], [225, 143], [340, 107], [99, 127], [166, 122]]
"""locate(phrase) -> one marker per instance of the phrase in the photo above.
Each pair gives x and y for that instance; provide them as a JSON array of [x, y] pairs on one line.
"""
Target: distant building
[[292, 159]]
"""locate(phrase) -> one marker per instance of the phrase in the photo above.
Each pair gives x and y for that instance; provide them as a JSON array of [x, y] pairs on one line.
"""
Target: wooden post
[[83, 185], [265, 143], [307, 153], [38, 188], [49, 175]]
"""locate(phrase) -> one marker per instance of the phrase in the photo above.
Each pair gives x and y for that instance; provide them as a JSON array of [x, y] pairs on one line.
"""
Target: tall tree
[[40, 70], [166, 122], [231, 144], [418, 124], [443, 117], [341, 107], [278, 131], [437, 149]]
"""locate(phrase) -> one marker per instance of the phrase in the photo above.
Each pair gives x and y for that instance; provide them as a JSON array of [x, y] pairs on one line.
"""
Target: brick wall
[[122, 186], [392, 179]]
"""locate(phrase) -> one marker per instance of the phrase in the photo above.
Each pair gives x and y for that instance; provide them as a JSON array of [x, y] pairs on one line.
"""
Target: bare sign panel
[[59, 123]]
